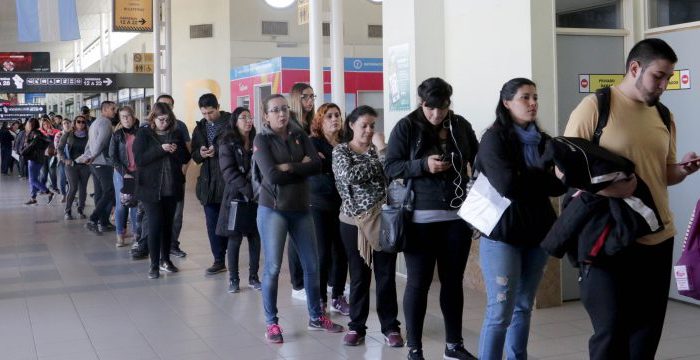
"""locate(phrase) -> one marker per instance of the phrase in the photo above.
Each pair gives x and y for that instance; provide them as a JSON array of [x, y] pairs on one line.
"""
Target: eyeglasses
[[275, 110], [245, 118], [80, 121], [162, 118], [308, 96]]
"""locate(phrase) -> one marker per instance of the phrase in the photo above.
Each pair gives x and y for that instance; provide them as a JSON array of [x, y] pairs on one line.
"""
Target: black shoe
[[107, 227], [177, 252], [216, 268], [49, 199], [68, 216], [81, 215], [92, 226], [233, 286], [154, 273], [254, 282], [139, 254], [457, 352], [31, 201], [415, 354], [167, 266]]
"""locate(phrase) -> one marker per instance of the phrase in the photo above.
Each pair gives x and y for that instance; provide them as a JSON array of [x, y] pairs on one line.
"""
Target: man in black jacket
[[210, 183], [626, 295]]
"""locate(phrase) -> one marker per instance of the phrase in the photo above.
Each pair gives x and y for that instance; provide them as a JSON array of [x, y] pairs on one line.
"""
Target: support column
[[168, 50], [156, 49], [316, 50], [337, 56]]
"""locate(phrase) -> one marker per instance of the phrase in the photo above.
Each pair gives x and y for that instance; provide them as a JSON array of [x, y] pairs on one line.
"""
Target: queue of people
[[317, 182]]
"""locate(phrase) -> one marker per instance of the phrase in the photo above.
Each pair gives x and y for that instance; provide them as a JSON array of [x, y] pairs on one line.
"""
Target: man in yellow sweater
[[625, 295]]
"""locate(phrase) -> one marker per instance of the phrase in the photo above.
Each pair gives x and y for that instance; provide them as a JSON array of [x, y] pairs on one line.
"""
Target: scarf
[[80, 133], [530, 139]]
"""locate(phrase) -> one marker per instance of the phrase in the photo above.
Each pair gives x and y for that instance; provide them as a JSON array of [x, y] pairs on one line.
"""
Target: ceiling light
[[375, 1], [279, 3]]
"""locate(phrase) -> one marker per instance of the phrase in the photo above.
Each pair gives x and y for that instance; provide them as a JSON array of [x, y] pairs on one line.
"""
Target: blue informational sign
[[302, 63]]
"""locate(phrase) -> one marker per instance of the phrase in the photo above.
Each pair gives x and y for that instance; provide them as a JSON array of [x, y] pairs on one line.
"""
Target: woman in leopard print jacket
[[359, 176]]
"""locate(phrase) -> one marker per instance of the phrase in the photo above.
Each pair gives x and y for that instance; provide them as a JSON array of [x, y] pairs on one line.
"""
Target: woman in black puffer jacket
[[235, 160], [160, 181]]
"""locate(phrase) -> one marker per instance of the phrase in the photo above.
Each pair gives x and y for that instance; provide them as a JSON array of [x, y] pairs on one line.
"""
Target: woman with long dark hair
[[121, 153], [433, 147], [71, 145], [326, 133], [34, 151], [286, 158], [301, 111], [160, 182], [235, 161], [511, 259], [357, 165]]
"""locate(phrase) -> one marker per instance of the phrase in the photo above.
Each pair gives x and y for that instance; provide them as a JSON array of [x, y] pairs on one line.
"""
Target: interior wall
[[200, 65], [248, 45], [683, 104]]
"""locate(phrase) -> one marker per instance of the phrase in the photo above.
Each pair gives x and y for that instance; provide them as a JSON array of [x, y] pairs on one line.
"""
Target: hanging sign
[[133, 15], [303, 12], [36, 82], [21, 111]]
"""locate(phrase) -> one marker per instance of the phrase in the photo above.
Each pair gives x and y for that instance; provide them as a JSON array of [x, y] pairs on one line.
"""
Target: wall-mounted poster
[[399, 70]]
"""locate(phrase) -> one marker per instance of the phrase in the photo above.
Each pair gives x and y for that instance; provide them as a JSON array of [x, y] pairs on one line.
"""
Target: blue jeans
[[273, 226], [121, 212], [35, 184], [511, 276]]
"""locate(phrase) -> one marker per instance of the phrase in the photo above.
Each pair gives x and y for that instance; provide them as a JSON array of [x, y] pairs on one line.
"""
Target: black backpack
[[603, 96]]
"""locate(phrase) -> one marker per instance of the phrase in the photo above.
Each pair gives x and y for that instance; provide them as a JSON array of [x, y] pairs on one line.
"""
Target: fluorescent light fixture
[[280, 3], [375, 1]]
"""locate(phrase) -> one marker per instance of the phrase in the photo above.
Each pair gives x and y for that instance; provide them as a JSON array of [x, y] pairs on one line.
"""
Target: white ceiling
[[89, 18]]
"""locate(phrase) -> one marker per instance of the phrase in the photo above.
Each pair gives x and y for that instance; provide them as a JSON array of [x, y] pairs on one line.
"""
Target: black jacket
[[117, 149], [285, 190], [323, 194], [530, 215], [235, 163], [210, 183], [150, 159], [6, 138], [415, 134], [35, 147]]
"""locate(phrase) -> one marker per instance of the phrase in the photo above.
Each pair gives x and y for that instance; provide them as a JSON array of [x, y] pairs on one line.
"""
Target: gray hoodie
[[285, 190]]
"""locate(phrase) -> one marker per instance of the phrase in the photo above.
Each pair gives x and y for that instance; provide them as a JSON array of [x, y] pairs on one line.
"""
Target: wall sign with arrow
[[35, 82]]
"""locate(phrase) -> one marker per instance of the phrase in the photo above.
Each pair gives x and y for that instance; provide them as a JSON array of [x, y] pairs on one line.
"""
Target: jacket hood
[[292, 127]]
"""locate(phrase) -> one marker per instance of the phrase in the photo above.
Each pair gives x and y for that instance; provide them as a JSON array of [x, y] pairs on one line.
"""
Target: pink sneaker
[[273, 334]]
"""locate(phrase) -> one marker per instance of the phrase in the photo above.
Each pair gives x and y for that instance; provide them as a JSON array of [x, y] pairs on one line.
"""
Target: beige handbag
[[368, 229]]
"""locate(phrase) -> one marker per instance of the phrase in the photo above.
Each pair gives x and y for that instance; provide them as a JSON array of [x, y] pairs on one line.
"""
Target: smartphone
[[684, 163]]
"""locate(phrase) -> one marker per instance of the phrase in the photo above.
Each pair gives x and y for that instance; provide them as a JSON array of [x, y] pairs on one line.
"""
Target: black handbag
[[242, 217], [396, 215]]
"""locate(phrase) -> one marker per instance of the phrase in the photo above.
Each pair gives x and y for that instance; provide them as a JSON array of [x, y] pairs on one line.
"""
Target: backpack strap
[[603, 97]]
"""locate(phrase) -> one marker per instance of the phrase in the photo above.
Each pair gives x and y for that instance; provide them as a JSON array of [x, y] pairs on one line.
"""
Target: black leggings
[[160, 228], [446, 243], [78, 175], [233, 249], [333, 264]]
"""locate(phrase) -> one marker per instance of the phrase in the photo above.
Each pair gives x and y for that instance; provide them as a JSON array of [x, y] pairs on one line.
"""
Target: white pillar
[[110, 62], [337, 55], [156, 48], [168, 51], [102, 46], [316, 49]]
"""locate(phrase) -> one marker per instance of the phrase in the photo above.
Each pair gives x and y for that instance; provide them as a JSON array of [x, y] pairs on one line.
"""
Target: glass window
[[673, 12], [589, 14]]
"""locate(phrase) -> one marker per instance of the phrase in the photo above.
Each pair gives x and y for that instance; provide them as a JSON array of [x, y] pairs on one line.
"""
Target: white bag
[[483, 206]]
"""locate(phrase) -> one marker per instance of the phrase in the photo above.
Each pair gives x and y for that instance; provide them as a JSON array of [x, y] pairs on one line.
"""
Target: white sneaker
[[299, 294]]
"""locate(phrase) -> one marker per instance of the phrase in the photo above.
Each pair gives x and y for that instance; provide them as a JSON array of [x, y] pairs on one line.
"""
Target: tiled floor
[[66, 294]]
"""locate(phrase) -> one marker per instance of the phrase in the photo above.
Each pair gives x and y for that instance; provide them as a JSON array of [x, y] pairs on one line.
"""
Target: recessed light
[[279, 3]]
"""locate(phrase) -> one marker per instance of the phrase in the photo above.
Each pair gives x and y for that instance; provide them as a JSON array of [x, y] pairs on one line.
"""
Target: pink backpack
[[687, 269]]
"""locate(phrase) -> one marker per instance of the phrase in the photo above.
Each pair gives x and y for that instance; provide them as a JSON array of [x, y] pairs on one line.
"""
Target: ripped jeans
[[511, 276]]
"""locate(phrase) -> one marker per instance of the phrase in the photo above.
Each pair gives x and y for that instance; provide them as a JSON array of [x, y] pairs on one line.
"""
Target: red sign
[[685, 79], [584, 83], [25, 61]]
